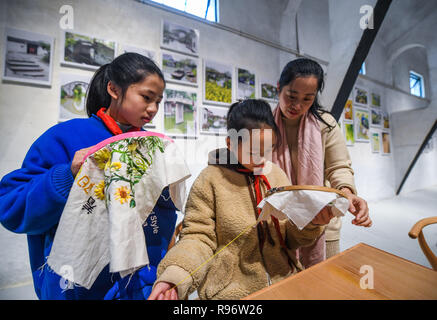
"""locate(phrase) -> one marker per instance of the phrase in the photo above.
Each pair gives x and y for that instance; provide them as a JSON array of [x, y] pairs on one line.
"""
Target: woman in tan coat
[[308, 132], [220, 217]]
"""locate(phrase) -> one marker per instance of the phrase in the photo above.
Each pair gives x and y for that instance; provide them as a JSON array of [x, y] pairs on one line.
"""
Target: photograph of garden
[[376, 117], [246, 84], [385, 143], [269, 91], [213, 120], [386, 121], [72, 98], [361, 96], [147, 53], [362, 125], [349, 133], [376, 100], [179, 38], [348, 110], [178, 68], [180, 109], [84, 51], [375, 143], [28, 57], [218, 83]]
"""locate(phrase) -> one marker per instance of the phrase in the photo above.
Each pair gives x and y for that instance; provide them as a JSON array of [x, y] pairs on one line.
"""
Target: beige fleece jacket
[[218, 209], [337, 162]]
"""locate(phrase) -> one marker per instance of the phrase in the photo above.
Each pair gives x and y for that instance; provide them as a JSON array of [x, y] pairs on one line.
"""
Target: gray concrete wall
[[413, 117]]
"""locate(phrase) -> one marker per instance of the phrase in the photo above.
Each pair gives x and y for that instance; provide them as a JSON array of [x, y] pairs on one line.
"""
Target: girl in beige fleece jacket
[[220, 252]]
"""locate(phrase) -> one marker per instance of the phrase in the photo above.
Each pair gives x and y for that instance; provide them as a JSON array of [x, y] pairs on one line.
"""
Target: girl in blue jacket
[[32, 198]]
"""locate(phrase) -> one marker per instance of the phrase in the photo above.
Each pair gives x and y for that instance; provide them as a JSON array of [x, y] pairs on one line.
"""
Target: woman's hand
[[323, 217], [358, 207], [164, 291], [78, 160]]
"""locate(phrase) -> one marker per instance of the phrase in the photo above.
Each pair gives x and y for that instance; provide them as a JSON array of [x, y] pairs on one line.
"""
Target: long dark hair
[[252, 114], [304, 67], [126, 69]]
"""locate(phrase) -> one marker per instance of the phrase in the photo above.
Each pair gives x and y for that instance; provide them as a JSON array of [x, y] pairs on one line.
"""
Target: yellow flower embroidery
[[99, 191], [115, 166], [132, 146], [102, 157], [122, 194]]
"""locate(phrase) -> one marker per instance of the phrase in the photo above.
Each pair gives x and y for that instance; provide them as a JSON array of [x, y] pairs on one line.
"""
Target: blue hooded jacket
[[33, 197]]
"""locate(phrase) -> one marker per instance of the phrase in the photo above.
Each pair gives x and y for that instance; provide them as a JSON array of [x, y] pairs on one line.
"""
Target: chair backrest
[[416, 232], [175, 235]]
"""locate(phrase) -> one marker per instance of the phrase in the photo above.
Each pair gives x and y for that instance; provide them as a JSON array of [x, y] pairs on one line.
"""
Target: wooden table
[[339, 278]]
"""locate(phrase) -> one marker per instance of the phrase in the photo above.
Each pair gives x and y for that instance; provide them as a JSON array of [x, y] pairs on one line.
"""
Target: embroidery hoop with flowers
[[125, 156]]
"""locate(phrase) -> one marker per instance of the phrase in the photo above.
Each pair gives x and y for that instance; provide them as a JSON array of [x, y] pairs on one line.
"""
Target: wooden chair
[[416, 232], [175, 235]]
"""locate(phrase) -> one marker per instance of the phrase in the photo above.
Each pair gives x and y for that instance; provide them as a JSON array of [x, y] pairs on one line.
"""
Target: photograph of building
[[28, 57], [81, 50], [180, 109]]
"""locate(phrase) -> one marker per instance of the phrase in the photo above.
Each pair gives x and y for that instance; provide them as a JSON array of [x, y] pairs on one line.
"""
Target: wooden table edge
[[321, 264]]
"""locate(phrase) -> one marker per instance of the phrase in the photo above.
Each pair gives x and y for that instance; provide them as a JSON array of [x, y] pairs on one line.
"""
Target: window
[[363, 68], [417, 86], [205, 9]]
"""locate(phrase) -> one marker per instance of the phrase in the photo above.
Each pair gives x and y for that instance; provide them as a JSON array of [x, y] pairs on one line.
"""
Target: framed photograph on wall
[[361, 96], [376, 100], [213, 120], [361, 122], [180, 113], [386, 149], [73, 89], [28, 57], [348, 110], [217, 84], [87, 52], [147, 53], [245, 84], [349, 133], [180, 69], [385, 120], [376, 117], [269, 91], [375, 142], [179, 38]]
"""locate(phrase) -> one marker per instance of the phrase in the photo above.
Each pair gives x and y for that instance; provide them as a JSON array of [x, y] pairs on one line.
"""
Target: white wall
[[328, 30], [412, 117], [345, 34], [27, 111]]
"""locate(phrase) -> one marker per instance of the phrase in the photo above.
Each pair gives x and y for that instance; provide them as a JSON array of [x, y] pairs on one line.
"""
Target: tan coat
[[218, 209], [338, 167]]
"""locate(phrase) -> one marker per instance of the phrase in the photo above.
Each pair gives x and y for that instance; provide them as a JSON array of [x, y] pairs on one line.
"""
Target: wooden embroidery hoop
[[305, 187]]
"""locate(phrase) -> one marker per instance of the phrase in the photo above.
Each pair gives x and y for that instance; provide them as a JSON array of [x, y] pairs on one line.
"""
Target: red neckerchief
[[111, 124], [258, 195]]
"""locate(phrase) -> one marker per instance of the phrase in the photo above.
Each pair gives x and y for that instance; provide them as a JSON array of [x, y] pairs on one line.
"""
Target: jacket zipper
[[269, 281]]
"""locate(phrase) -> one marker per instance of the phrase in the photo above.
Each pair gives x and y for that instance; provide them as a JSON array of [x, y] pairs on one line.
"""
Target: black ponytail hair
[[252, 114], [304, 67], [126, 69]]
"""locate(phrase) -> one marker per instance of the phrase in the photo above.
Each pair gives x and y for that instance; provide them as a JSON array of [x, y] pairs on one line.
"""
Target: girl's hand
[[323, 217], [358, 207], [78, 160], [164, 291]]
